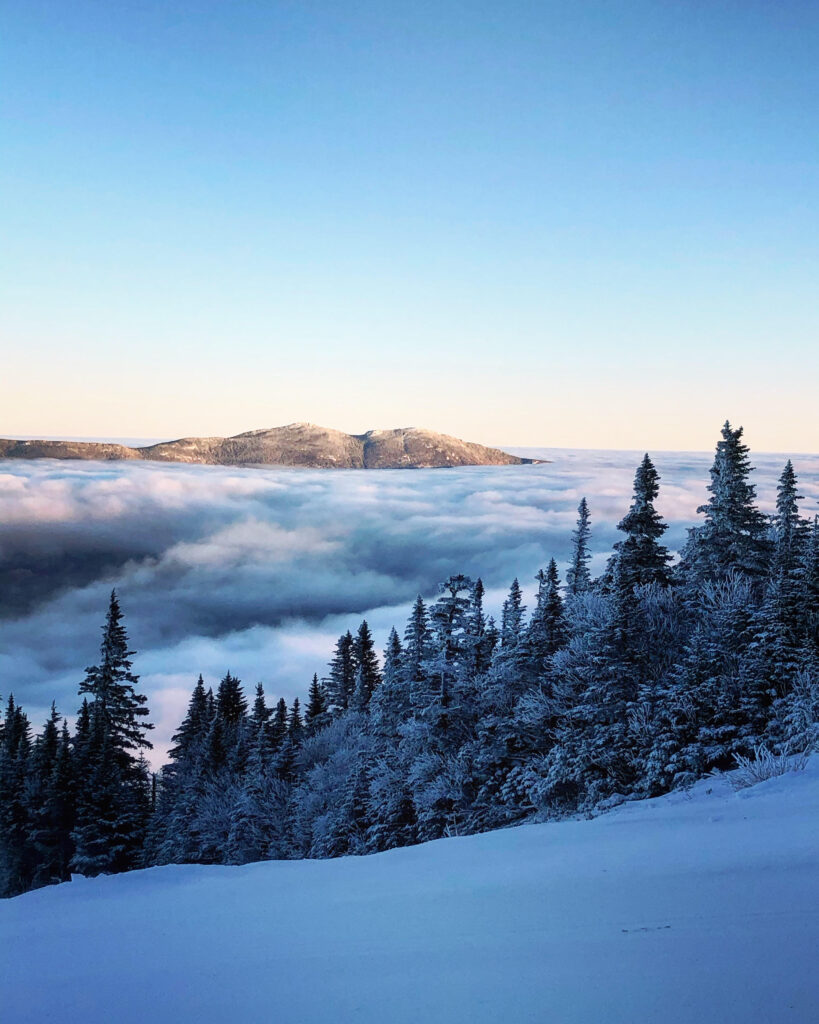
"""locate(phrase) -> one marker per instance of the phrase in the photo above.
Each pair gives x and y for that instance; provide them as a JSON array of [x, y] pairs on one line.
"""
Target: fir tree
[[733, 537], [642, 558], [512, 617], [341, 680], [417, 650], [16, 859], [261, 713], [295, 725], [578, 578], [547, 628], [278, 725], [315, 714], [112, 687], [113, 789], [368, 675]]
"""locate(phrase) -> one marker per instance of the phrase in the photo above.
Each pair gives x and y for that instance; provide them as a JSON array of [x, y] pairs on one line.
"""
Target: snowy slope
[[700, 907]]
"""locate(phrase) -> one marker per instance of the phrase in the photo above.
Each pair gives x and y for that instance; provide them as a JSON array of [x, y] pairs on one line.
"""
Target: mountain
[[298, 444], [699, 906]]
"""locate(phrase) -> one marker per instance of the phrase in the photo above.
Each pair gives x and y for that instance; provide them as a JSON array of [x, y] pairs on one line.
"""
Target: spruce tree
[[642, 558], [341, 680], [547, 628], [315, 714], [278, 724], [16, 857], [512, 617], [417, 649], [478, 653], [578, 578], [49, 800], [261, 713], [733, 537], [368, 674], [113, 789]]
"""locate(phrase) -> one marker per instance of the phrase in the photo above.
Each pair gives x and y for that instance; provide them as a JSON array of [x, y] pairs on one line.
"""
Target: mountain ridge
[[300, 444]]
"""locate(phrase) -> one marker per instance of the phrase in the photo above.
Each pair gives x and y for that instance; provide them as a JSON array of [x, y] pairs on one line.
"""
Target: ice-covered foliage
[[629, 685]]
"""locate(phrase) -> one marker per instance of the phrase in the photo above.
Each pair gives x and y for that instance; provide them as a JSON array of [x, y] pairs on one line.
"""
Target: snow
[[696, 907]]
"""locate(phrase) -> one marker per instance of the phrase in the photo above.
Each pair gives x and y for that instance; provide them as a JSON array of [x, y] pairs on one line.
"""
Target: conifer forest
[[643, 679]]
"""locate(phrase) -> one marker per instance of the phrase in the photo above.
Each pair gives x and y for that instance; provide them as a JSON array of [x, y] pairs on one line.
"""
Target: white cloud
[[257, 571]]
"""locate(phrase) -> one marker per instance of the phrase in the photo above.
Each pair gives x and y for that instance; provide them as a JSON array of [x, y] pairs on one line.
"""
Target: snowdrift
[[697, 907]]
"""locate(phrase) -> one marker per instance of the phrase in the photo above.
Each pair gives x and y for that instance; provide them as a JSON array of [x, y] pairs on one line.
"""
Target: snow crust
[[697, 907]]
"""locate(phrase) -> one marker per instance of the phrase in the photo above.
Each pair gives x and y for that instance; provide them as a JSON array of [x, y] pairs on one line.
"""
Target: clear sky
[[585, 224]]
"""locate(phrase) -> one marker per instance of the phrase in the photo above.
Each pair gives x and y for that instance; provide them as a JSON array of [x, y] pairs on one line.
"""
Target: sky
[[258, 571], [583, 224]]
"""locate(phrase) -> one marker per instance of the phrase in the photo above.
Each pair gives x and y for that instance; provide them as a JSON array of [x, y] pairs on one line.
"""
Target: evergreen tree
[[50, 803], [295, 725], [341, 681], [810, 577], [478, 654], [450, 618], [733, 537], [417, 646], [112, 687], [578, 578], [16, 860], [261, 713], [390, 705], [113, 796], [368, 674], [547, 628], [231, 703], [278, 727], [192, 732], [642, 558], [512, 617], [315, 714]]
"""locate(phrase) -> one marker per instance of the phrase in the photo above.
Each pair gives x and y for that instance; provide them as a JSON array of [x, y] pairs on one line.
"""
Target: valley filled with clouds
[[259, 570]]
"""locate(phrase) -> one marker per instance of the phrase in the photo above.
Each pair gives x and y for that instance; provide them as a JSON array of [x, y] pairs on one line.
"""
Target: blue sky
[[588, 224]]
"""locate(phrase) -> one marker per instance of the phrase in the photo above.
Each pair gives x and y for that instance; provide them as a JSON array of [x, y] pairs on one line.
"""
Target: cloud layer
[[259, 570]]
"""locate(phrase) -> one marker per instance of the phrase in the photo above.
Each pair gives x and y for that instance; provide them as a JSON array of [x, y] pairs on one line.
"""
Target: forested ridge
[[626, 685]]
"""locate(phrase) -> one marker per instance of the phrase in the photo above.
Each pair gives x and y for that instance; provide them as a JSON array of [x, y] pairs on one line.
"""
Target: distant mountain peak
[[296, 444]]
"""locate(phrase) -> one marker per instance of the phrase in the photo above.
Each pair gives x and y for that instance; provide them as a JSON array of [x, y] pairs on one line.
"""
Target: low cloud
[[257, 571]]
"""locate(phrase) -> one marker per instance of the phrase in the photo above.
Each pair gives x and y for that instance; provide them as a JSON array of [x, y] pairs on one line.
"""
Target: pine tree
[[450, 617], [790, 530], [780, 644], [810, 589], [278, 725], [261, 713], [113, 799], [512, 617], [547, 630], [231, 704], [368, 674], [642, 558], [295, 725], [341, 680], [733, 537], [315, 714], [478, 654], [16, 858], [394, 669], [192, 732], [417, 650], [390, 705], [49, 800], [578, 578]]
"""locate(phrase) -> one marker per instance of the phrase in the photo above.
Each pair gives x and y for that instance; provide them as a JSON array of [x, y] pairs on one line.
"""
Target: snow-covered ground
[[697, 908]]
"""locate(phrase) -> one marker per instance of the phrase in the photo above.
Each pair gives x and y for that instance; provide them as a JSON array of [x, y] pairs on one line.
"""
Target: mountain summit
[[297, 444]]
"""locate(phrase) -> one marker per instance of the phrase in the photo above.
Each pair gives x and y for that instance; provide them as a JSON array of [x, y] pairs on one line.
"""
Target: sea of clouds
[[259, 570]]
